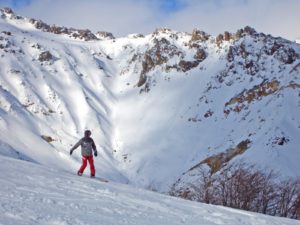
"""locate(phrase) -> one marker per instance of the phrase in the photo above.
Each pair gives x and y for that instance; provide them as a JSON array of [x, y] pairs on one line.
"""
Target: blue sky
[[122, 17], [167, 6], [15, 4], [172, 5]]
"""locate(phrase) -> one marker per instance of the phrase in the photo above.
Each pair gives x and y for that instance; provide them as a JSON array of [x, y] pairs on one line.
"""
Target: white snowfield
[[32, 194]]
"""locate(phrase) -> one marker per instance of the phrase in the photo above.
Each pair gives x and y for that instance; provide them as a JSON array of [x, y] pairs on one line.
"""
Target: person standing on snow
[[87, 148]]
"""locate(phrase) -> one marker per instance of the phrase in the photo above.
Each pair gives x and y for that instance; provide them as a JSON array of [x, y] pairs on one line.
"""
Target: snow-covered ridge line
[[87, 35], [81, 34]]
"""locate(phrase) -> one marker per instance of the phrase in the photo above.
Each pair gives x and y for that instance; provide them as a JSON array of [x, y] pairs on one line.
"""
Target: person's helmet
[[87, 133]]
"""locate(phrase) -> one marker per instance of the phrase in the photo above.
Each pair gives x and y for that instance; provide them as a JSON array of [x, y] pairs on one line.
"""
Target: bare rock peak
[[198, 35], [105, 35], [7, 10]]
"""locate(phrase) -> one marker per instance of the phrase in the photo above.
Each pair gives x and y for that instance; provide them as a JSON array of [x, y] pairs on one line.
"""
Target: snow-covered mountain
[[158, 105]]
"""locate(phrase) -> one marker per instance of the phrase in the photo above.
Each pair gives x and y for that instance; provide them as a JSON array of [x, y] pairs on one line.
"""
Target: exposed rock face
[[8, 11], [251, 58], [286, 55], [38, 24], [48, 139], [81, 34], [105, 35], [187, 65], [200, 54], [85, 35], [250, 31], [216, 162], [45, 56], [7, 45], [198, 35], [223, 37], [240, 102], [8, 33], [280, 50], [157, 55], [136, 36], [238, 34], [226, 36], [163, 51], [219, 39], [243, 32]]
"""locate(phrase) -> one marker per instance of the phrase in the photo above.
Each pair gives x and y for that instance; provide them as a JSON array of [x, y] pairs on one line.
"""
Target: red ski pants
[[85, 159]]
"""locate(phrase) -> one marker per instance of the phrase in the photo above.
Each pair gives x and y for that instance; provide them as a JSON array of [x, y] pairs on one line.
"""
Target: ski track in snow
[[32, 194]]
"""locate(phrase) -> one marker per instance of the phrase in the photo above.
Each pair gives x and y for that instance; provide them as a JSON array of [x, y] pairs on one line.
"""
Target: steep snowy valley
[[158, 105]]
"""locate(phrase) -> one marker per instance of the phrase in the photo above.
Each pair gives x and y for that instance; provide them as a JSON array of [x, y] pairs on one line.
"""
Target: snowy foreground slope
[[33, 194], [157, 105]]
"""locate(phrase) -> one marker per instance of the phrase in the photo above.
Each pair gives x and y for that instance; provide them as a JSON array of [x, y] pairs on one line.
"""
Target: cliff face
[[159, 105]]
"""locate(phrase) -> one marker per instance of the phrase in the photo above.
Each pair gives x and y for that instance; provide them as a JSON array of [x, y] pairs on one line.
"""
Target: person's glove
[[95, 153], [71, 151]]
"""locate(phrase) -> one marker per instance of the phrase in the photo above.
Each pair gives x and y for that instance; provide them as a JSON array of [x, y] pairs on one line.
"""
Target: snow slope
[[157, 105], [56, 98], [33, 194]]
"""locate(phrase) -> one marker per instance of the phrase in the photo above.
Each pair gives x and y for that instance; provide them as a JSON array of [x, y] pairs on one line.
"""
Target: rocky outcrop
[[241, 101], [9, 13], [82, 34], [198, 35], [216, 162], [157, 55], [165, 31], [187, 65], [136, 36], [48, 139], [104, 35], [45, 56], [250, 58], [85, 35], [162, 52], [200, 54], [227, 36], [219, 39], [223, 37], [7, 45]]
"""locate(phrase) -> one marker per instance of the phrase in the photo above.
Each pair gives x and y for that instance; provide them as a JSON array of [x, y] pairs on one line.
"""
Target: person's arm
[[95, 149], [75, 146]]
